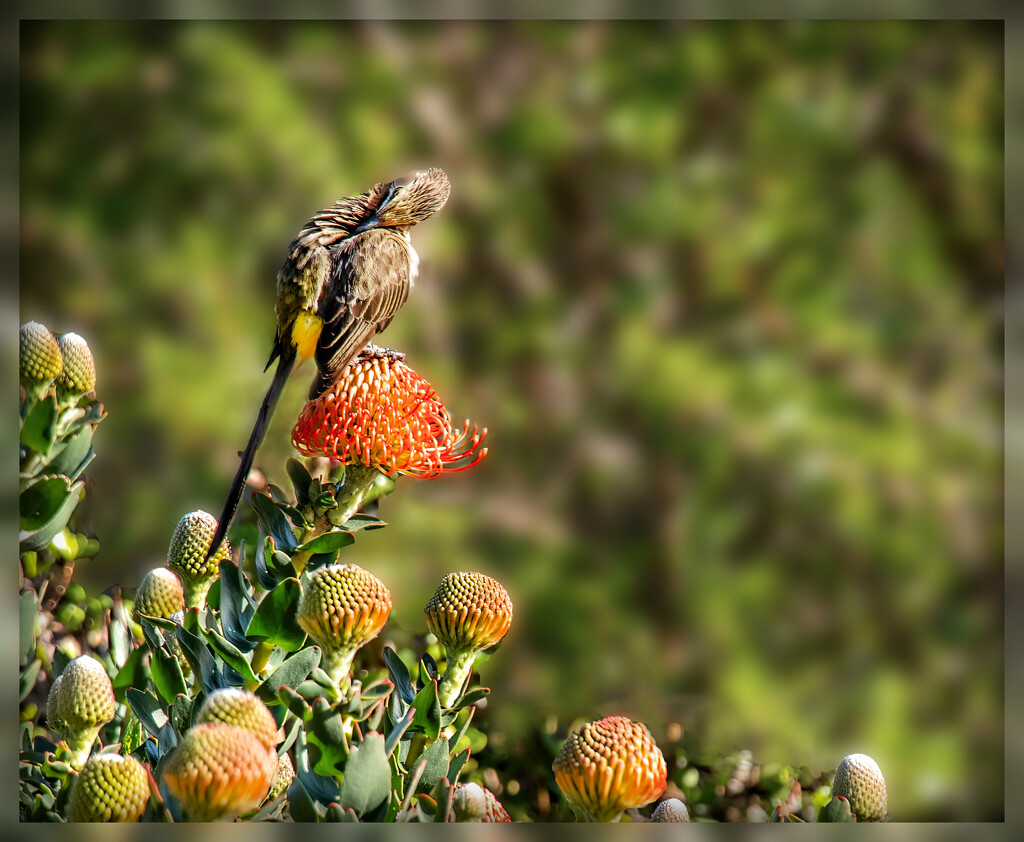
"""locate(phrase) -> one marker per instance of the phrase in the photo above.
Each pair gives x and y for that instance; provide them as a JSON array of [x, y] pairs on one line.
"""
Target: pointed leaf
[[291, 673], [134, 673], [231, 605], [40, 426], [329, 542], [396, 733], [264, 550], [147, 708], [300, 805], [75, 454], [428, 711], [275, 620], [230, 654], [399, 675], [301, 480], [200, 659], [455, 767], [367, 776], [167, 676], [436, 766], [363, 521], [273, 522], [837, 810]]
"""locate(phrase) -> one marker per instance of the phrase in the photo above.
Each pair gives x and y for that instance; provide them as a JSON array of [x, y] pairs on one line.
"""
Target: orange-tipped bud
[[342, 608], [187, 555], [473, 803], [220, 771], [671, 810], [160, 594], [860, 781], [234, 706], [469, 612], [39, 357], [609, 766], [79, 373], [110, 788]]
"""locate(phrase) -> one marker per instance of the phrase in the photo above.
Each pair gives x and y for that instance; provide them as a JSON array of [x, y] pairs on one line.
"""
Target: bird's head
[[404, 202]]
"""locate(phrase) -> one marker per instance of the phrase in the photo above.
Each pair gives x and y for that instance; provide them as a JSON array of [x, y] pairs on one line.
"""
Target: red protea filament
[[382, 414]]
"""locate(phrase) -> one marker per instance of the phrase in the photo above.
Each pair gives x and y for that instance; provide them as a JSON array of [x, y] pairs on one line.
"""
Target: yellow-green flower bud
[[39, 357], [79, 367], [860, 781], [220, 771], [609, 766], [670, 810], [283, 778], [342, 608], [468, 613], [110, 788], [235, 706], [187, 555], [473, 803], [160, 594], [85, 701]]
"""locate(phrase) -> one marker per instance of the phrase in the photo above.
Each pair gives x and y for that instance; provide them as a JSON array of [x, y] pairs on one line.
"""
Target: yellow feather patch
[[305, 333]]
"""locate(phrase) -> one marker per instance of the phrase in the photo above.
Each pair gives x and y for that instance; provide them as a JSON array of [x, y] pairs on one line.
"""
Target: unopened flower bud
[[234, 706], [469, 612], [160, 594], [85, 702], [79, 373], [39, 357], [187, 555], [860, 781], [670, 810], [110, 788], [609, 766], [473, 803]]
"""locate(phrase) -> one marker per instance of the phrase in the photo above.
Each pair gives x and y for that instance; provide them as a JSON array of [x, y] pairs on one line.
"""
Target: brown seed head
[[235, 706], [609, 766], [343, 607], [859, 779], [219, 771], [79, 367], [160, 594], [469, 612], [187, 553], [474, 803], [110, 788], [39, 358], [86, 697]]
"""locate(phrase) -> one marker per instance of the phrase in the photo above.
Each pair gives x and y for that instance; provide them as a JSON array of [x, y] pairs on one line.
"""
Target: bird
[[348, 271]]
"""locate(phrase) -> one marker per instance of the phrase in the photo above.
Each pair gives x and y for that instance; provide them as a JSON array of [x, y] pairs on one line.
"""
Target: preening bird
[[347, 273]]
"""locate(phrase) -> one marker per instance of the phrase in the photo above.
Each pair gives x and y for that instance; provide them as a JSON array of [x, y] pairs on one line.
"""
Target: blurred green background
[[727, 295]]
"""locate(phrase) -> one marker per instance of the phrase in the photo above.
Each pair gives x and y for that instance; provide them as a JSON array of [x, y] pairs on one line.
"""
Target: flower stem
[[457, 669]]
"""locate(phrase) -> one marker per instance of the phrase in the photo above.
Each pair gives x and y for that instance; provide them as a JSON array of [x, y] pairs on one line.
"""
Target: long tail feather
[[284, 368]]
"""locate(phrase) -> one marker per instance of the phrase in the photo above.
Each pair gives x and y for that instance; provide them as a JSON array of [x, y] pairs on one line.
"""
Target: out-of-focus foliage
[[726, 294]]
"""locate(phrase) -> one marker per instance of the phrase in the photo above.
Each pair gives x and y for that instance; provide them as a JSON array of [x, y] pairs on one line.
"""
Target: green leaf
[[71, 459], [325, 739], [363, 521], [436, 757], [147, 708], [167, 677], [301, 480], [268, 581], [471, 698], [294, 701], [232, 605], [399, 675], [455, 767], [428, 710], [133, 673], [367, 776], [291, 673], [28, 610], [120, 639], [200, 659], [401, 726], [132, 734], [837, 810], [275, 620], [36, 508], [335, 813], [300, 805], [273, 522], [28, 679], [329, 542], [181, 713], [324, 790], [39, 428], [445, 795], [230, 654]]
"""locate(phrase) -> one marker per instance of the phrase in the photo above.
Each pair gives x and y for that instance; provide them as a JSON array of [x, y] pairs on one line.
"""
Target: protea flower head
[[85, 702], [283, 778], [343, 607], [382, 414], [860, 781], [670, 810], [469, 612], [609, 766], [110, 788], [160, 594], [39, 357], [187, 555], [473, 803], [220, 771], [79, 373], [235, 706]]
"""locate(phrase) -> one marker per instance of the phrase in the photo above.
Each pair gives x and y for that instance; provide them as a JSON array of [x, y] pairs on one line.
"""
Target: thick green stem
[[260, 656], [80, 744], [337, 663], [458, 667]]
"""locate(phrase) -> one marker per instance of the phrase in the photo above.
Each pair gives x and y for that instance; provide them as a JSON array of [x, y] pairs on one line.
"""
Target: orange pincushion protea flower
[[609, 766], [382, 414]]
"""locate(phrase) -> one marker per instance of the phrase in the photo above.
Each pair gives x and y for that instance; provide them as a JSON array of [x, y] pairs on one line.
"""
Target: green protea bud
[[670, 810], [860, 781], [235, 706], [220, 771], [160, 594], [79, 375], [342, 608], [110, 788], [53, 714], [609, 766], [187, 555], [283, 778], [85, 701], [473, 803], [39, 358], [468, 613]]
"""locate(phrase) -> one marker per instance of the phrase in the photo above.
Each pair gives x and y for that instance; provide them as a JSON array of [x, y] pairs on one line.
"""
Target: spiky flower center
[[469, 611], [39, 357], [344, 606], [235, 706], [859, 779], [160, 594], [382, 414], [110, 788], [609, 766]]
